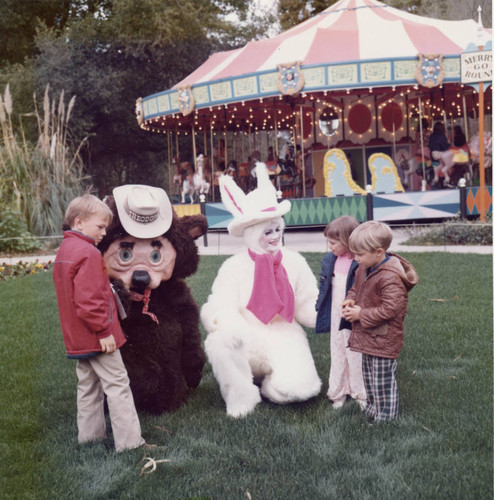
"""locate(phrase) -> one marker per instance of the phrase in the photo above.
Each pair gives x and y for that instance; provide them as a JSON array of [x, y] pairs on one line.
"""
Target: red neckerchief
[[272, 293], [137, 297]]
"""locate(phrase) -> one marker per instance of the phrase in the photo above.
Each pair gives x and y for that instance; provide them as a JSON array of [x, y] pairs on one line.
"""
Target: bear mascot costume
[[148, 251], [255, 343]]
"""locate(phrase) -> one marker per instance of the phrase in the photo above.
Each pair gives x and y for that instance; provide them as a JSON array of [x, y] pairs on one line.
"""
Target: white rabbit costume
[[257, 301]]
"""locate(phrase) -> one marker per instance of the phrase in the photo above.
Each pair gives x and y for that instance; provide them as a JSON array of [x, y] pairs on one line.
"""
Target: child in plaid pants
[[376, 305]]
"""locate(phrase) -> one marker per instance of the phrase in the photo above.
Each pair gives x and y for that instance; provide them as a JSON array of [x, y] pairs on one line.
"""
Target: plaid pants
[[382, 389]]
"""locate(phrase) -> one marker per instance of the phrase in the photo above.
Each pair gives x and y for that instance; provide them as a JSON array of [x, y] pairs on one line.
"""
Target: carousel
[[340, 109]]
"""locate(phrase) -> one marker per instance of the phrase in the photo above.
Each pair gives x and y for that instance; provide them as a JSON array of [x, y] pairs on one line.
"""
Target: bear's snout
[[140, 280]]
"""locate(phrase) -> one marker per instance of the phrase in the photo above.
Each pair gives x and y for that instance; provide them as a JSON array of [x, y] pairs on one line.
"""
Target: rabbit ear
[[262, 176], [231, 195]]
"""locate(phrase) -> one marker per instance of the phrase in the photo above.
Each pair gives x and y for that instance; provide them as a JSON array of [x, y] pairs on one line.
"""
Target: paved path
[[309, 240], [221, 243]]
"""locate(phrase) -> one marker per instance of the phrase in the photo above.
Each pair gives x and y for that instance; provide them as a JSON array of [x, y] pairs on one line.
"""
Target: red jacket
[[85, 300], [383, 297]]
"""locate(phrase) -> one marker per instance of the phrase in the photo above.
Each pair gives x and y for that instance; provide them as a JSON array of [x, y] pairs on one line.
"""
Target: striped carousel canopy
[[353, 44], [348, 31]]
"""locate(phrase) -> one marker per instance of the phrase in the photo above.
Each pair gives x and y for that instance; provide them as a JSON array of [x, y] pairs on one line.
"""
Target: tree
[[20, 19], [110, 52], [456, 10], [107, 78], [292, 12]]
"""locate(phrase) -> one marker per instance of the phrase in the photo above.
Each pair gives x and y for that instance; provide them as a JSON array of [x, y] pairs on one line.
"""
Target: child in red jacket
[[91, 329], [376, 305]]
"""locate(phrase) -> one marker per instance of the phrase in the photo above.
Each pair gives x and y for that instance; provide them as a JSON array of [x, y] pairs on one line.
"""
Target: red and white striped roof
[[349, 30]]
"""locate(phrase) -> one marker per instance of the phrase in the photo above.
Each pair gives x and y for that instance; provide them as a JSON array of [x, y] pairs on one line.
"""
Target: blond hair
[[370, 236], [85, 206], [341, 228]]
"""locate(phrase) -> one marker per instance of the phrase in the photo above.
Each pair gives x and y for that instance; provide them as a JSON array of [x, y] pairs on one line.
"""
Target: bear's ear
[[194, 225], [110, 201]]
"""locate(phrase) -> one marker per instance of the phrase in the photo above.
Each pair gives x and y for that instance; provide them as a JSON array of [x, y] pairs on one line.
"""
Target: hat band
[[142, 219]]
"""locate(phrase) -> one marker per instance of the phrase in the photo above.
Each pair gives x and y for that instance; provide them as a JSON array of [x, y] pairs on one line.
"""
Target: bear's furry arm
[[304, 286], [193, 357]]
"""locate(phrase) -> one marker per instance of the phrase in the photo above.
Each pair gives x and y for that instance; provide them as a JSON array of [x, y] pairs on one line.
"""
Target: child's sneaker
[[338, 404], [362, 404]]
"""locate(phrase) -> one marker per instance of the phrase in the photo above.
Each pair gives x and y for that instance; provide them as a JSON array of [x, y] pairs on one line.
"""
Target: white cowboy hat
[[257, 206], [144, 211]]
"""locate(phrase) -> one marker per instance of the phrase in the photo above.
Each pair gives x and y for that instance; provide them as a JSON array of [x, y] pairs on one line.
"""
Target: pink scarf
[[272, 293]]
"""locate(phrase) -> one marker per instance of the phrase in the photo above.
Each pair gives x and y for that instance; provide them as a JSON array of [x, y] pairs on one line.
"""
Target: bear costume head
[[144, 221]]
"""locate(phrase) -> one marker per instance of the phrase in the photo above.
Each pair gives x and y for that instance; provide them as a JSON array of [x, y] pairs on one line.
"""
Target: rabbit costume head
[[257, 216]]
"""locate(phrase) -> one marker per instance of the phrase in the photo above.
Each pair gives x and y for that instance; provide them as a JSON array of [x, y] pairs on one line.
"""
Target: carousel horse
[[196, 182], [474, 146], [178, 177]]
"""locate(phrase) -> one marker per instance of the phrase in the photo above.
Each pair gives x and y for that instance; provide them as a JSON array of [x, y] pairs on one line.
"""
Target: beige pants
[[100, 375]]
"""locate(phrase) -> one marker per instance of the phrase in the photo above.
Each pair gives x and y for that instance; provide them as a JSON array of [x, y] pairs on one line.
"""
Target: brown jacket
[[383, 297]]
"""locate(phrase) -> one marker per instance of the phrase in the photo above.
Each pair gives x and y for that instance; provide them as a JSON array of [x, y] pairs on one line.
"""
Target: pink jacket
[[383, 297], [85, 300]]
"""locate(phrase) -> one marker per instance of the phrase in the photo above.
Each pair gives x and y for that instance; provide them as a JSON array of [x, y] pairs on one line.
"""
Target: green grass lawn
[[441, 448]]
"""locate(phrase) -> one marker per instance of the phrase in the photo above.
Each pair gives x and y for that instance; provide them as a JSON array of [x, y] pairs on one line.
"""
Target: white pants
[[99, 375], [345, 374]]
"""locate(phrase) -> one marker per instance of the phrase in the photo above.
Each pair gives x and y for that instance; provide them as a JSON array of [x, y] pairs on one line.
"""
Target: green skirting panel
[[320, 211]]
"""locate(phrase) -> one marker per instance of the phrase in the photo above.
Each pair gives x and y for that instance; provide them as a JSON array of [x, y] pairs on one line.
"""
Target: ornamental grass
[[39, 180]]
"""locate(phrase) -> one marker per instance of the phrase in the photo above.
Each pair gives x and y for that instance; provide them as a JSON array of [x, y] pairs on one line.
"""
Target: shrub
[[14, 236], [452, 232]]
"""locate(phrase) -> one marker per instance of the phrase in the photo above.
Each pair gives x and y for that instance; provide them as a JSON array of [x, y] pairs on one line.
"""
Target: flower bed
[[11, 271]]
